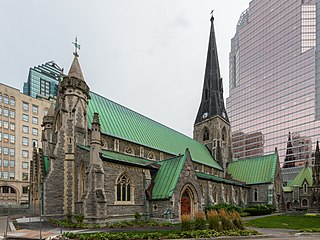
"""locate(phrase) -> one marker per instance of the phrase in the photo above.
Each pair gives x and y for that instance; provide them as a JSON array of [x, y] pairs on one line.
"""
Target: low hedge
[[158, 235]]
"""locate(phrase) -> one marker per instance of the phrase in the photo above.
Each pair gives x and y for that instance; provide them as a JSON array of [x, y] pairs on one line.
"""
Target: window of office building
[[25, 141], [0, 162], [25, 153], [12, 126], [6, 112], [6, 99], [25, 176], [25, 106], [0, 174], [5, 137], [25, 129], [11, 175], [35, 120], [12, 138], [5, 175], [25, 117], [25, 165], [44, 87], [5, 124], [0, 110], [45, 112], [12, 152], [12, 114], [0, 123], [6, 151], [35, 109], [12, 163], [24, 190], [34, 131], [5, 163], [0, 136], [12, 101]]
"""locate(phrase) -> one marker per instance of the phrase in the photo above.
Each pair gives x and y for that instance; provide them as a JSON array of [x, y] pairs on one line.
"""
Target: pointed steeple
[[212, 102], [75, 69], [317, 155], [289, 154]]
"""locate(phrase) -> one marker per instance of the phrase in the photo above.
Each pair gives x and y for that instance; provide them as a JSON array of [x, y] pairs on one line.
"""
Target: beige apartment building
[[20, 128]]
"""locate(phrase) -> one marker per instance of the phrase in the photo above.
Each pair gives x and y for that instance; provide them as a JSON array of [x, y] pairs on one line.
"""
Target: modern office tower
[[43, 80], [272, 81], [20, 129]]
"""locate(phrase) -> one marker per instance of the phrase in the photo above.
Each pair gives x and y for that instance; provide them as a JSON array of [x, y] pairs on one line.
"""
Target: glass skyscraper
[[272, 102], [43, 81]]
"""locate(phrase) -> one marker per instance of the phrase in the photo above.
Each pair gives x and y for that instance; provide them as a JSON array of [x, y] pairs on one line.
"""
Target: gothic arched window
[[255, 195], [124, 188], [205, 135], [304, 202], [224, 134]]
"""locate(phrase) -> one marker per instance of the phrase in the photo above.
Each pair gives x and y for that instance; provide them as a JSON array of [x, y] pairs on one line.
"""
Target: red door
[[185, 203]]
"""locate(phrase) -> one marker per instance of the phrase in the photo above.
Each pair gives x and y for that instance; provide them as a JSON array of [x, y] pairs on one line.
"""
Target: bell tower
[[212, 127], [69, 128]]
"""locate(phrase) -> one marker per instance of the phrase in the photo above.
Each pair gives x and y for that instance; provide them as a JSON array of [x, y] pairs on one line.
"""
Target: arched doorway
[[188, 200], [185, 202]]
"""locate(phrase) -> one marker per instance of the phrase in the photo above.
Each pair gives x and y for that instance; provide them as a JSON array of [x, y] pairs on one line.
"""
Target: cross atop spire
[[212, 18], [76, 47]]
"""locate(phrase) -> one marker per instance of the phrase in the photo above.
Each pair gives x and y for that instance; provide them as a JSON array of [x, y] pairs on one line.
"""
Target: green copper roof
[[123, 123], [217, 179], [287, 189], [254, 170], [305, 173], [167, 177]]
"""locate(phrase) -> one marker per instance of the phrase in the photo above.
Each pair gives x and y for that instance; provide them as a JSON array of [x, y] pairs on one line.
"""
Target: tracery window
[[129, 150], [304, 202], [151, 155], [124, 188]]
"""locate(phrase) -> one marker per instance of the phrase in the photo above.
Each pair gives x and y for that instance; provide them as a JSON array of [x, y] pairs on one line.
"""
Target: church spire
[[212, 102], [289, 160]]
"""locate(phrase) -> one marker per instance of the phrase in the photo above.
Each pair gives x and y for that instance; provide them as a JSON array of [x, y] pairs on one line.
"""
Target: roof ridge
[[254, 157]]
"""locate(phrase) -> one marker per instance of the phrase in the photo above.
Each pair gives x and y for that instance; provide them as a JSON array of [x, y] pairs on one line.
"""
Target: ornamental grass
[[200, 220]]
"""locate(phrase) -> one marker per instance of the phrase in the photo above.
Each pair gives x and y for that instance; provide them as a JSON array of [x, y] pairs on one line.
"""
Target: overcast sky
[[148, 55]]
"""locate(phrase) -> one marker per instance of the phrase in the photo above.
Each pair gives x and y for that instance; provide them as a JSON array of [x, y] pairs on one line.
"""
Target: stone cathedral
[[105, 161]]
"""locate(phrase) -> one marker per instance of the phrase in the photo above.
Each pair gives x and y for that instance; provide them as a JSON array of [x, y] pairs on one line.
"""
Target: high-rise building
[[272, 80], [20, 129], [43, 80]]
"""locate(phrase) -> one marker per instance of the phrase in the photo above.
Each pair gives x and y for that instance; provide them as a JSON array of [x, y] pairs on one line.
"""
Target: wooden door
[[185, 203]]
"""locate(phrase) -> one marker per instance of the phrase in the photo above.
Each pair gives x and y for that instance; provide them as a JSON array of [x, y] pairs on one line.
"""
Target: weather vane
[[76, 46]]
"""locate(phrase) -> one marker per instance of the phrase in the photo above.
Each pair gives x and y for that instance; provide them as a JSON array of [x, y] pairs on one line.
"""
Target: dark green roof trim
[[124, 158], [167, 177], [123, 123], [218, 179], [46, 164], [255, 170], [128, 159], [287, 189]]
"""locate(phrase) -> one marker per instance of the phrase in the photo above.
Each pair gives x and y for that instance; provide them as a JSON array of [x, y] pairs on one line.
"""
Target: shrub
[[79, 218], [186, 223], [225, 220], [214, 220], [200, 221], [226, 207], [261, 209], [137, 216]]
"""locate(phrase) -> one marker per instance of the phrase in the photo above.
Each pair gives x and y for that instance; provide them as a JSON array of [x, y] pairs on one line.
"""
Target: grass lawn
[[286, 221]]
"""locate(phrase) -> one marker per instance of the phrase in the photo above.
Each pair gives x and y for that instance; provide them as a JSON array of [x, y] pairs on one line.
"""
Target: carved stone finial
[[96, 118]]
